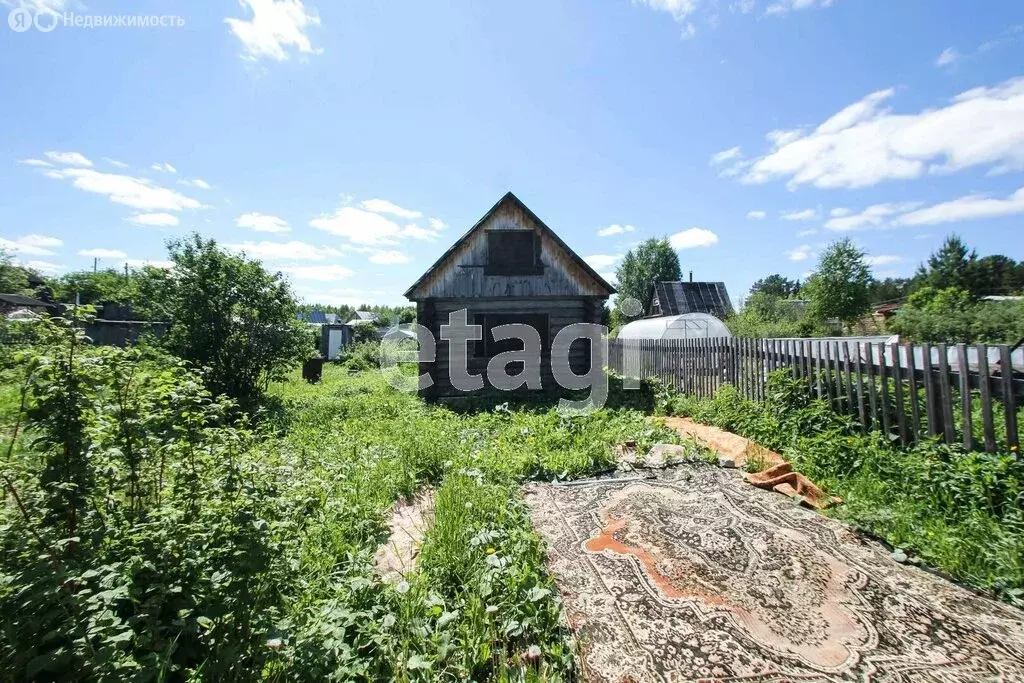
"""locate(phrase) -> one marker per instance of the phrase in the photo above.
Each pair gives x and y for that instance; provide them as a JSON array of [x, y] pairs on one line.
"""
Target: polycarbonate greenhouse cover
[[686, 326]]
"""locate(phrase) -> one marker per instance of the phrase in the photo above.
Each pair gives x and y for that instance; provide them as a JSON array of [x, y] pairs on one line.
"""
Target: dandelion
[[532, 653], [402, 588], [274, 643]]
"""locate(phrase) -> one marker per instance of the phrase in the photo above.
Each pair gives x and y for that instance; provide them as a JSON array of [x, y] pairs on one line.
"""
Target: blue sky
[[349, 143]]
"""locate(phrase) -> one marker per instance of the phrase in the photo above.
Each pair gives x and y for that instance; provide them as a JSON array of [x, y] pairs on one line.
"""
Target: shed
[[678, 298], [508, 268]]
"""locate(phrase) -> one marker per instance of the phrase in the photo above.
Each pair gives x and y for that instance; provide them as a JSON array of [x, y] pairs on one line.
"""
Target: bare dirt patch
[[409, 522]]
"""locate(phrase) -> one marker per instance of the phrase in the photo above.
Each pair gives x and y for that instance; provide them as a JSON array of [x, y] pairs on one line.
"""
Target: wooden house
[[508, 268]]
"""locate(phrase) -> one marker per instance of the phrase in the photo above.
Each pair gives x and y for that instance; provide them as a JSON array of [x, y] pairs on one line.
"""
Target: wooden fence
[[966, 395]]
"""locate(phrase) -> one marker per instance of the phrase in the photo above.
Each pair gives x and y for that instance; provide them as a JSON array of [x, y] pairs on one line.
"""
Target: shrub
[[232, 318]]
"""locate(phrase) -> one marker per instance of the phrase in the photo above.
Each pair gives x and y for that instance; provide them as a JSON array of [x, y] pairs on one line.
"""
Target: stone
[[899, 555], [664, 454]]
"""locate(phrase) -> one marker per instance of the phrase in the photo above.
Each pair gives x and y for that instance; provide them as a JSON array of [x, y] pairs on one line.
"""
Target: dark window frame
[[495, 251]]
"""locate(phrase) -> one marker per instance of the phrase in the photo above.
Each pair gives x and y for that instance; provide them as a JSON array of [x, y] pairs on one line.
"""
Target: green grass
[[480, 605]]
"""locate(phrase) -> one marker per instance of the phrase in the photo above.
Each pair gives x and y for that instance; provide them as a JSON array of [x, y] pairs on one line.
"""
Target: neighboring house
[[313, 317], [509, 268], [363, 318], [677, 298], [16, 302]]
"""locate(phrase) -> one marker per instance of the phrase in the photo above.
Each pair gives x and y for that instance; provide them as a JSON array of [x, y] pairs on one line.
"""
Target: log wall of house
[[561, 312]]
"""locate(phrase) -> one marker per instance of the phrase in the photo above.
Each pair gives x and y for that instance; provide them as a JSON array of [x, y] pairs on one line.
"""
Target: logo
[[46, 20], [20, 19]]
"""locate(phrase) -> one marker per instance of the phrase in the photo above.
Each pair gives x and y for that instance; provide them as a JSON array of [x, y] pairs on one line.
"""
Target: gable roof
[[676, 298], [509, 197], [19, 300]]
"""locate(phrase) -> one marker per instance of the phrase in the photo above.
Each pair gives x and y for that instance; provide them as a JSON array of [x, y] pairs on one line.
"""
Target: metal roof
[[677, 298], [19, 300], [314, 317]]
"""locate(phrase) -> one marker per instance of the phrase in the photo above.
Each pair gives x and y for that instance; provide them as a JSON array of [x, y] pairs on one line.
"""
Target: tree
[[653, 261], [890, 289], [777, 286], [997, 274], [840, 286], [233, 318], [13, 279], [952, 266]]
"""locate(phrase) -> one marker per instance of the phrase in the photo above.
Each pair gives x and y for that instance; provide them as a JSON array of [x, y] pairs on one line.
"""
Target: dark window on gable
[[513, 252], [488, 347]]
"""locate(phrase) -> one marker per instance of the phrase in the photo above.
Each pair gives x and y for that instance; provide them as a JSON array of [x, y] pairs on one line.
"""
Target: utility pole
[[95, 263]]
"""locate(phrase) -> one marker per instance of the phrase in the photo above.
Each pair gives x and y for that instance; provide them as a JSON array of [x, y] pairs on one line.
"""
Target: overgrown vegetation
[[962, 512], [150, 531], [943, 302]]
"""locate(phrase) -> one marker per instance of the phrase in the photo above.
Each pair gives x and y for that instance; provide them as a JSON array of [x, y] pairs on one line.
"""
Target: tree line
[[944, 301]]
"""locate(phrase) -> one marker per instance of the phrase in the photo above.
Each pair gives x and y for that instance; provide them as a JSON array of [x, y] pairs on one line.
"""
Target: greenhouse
[[685, 326]]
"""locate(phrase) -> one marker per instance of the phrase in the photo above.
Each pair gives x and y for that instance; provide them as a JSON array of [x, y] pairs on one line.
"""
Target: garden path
[[690, 573]]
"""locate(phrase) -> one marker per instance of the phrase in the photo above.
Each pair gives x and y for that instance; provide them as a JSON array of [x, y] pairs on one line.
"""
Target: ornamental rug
[[693, 574]]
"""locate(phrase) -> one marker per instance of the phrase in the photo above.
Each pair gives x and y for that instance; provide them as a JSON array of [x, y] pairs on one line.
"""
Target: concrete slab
[[696, 575]]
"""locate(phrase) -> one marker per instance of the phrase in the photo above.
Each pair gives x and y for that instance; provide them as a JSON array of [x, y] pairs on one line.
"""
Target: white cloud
[[801, 253], [38, 163], [384, 206], [160, 220], [601, 261], [807, 232], [615, 229], [344, 296], [742, 6], [692, 238], [415, 232], [882, 260], [388, 258], [871, 217], [785, 6], [866, 143], [138, 193], [358, 226], [679, 9], [756, 215], [803, 215], [731, 154], [609, 277], [262, 222], [948, 56], [437, 224], [276, 26], [324, 273], [31, 245], [197, 183], [68, 159], [44, 267], [841, 211], [115, 163], [164, 168], [965, 208], [103, 253], [283, 251]]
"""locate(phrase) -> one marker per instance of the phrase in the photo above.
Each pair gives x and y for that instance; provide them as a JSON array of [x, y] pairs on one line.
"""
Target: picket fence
[[961, 394]]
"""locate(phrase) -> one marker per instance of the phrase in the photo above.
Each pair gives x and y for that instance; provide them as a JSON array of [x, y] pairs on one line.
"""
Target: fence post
[[901, 406], [1009, 397], [986, 399], [948, 428], [965, 396]]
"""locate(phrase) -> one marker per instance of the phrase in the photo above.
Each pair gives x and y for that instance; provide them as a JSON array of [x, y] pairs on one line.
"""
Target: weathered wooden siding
[[462, 273], [560, 312]]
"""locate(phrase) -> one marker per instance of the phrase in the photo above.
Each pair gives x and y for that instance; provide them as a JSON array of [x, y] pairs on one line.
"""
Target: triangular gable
[[447, 274]]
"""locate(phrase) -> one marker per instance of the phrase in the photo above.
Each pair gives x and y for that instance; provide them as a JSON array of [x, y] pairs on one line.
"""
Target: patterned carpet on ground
[[693, 574]]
